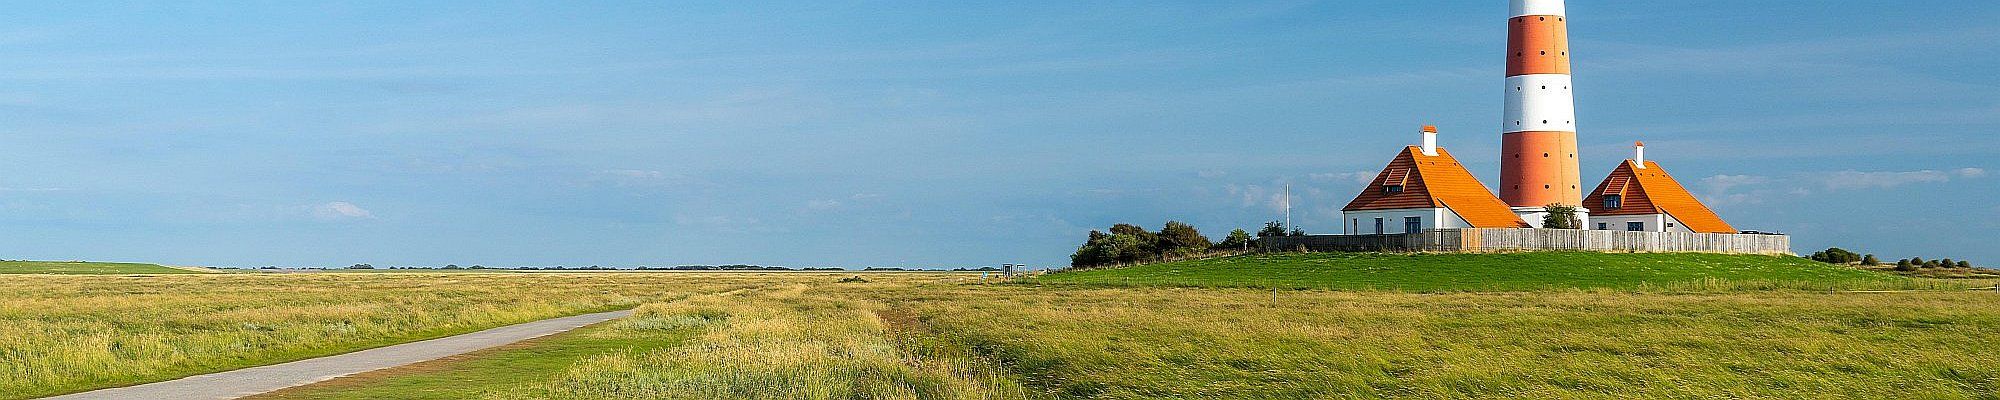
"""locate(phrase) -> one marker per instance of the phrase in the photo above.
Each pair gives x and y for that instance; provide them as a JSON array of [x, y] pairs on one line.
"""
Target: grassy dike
[[86, 268], [1494, 272]]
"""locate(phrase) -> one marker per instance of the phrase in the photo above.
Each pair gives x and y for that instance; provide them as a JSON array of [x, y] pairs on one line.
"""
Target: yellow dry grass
[[788, 341]]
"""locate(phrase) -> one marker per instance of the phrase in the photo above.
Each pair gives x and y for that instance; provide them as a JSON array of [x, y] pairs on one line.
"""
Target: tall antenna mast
[[1288, 208]]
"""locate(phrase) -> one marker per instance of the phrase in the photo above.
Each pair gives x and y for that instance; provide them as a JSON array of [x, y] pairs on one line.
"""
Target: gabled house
[[1424, 187], [1640, 196]]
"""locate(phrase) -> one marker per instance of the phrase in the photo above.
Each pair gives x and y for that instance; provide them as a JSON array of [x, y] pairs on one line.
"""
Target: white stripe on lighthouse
[[1538, 7], [1539, 103]]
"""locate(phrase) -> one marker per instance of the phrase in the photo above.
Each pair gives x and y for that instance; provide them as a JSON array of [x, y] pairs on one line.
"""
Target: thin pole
[[1288, 209]]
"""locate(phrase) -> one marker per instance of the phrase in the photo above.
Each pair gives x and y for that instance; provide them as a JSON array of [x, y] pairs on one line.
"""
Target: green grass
[[500, 370], [1080, 342], [1493, 272], [85, 268]]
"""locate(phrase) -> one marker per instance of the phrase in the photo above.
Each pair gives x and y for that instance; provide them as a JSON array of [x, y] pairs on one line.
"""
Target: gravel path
[[257, 380]]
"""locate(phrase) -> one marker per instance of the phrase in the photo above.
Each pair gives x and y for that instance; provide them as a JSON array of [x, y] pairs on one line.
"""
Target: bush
[[1272, 229], [1905, 266], [1237, 240], [1836, 255], [1870, 260], [1178, 238], [852, 279], [1947, 263], [1559, 216], [1964, 264]]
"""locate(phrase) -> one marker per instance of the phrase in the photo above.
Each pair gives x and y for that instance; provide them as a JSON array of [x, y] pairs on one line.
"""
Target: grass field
[[952, 336], [1493, 272], [86, 268], [64, 333]]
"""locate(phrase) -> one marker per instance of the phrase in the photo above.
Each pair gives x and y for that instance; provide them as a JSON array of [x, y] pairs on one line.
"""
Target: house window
[[1378, 226], [1392, 189], [1603, 226], [1413, 224], [1635, 226], [1670, 224], [1612, 201]]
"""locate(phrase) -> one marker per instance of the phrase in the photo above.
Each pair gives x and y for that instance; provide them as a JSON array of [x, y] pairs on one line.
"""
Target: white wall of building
[[1653, 222], [1534, 216], [1363, 222]]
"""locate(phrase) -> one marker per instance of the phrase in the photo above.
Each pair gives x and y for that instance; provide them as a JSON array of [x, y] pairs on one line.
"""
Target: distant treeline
[[728, 267], [1131, 244]]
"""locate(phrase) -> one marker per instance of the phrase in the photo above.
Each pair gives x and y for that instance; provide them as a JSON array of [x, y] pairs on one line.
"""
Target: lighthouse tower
[[1538, 165]]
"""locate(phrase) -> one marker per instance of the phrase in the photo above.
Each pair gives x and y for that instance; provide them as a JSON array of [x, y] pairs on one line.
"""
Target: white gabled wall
[[1654, 222], [1363, 222]]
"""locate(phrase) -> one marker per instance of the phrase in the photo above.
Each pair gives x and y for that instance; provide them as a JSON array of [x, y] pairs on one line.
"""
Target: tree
[[361, 266], [1870, 260], [1917, 261], [1558, 216], [1237, 240], [1931, 264], [1905, 266], [1947, 263], [1180, 238], [1964, 264], [1095, 251], [1272, 229], [1147, 239]]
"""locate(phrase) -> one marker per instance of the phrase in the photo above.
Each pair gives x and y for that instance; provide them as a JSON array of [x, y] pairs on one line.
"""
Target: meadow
[[67, 333], [955, 336]]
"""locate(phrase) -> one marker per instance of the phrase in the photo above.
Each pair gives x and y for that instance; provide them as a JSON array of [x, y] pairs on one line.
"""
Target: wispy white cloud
[[1755, 189], [1360, 177], [823, 205], [1849, 180], [638, 178], [340, 210]]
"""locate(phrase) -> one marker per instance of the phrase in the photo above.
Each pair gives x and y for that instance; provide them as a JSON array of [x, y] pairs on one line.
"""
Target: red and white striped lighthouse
[[1538, 165]]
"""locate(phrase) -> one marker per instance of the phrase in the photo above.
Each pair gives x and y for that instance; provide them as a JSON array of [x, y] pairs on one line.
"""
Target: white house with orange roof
[[1640, 196], [1425, 188]]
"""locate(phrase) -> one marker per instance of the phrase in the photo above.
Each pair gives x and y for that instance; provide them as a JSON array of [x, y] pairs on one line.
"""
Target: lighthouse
[[1538, 165]]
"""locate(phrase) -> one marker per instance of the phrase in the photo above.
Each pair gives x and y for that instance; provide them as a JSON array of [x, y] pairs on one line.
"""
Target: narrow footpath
[[258, 380]]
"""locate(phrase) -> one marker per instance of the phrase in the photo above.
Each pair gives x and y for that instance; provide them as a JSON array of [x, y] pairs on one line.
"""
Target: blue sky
[[932, 133]]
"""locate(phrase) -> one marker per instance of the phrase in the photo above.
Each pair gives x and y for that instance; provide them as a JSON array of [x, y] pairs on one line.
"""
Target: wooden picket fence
[[1482, 240]]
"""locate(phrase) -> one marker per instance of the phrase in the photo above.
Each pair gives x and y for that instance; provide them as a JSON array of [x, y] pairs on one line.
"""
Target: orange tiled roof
[[1653, 191], [1432, 182]]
